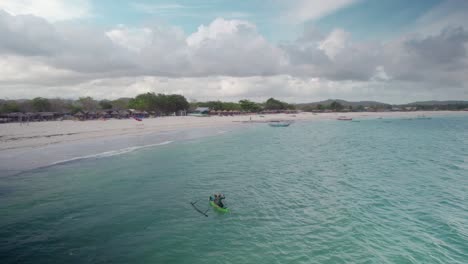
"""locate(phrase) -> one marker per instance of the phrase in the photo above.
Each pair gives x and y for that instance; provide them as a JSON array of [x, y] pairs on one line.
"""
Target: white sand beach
[[38, 144]]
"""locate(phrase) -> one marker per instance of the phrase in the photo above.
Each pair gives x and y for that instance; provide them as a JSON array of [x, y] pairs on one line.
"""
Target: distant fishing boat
[[344, 118], [278, 124], [423, 117]]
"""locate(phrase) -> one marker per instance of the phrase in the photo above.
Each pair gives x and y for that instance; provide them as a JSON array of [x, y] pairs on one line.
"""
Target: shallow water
[[315, 192]]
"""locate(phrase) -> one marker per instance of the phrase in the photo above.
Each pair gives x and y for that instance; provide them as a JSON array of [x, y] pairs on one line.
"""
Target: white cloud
[[52, 10], [219, 28], [258, 88], [131, 38], [334, 43], [232, 47], [228, 60], [21, 70]]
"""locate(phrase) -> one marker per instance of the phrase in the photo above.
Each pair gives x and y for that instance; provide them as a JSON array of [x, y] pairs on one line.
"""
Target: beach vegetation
[[40, 104], [120, 104], [249, 106], [160, 103], [105, 104], [336, 106], [273, 104], [220, 106], [88, 103], [9, 107]]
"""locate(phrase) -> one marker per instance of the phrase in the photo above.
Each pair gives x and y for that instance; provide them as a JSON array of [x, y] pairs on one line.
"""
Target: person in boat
[[218, 199]]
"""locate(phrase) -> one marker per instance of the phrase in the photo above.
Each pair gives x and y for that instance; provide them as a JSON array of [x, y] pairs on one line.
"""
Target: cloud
[[258, 88], [438, 59], [226, 59], [52, 10], [449, 13], [232, 47], [21, 70], [335, 43]]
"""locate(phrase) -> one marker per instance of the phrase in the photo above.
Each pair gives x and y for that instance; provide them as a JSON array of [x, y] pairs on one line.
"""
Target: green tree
[[144, 102], [249, 106], [105, 104], [177, 103], [9, 107], [88, 103], [41, 104], [336, 106], [273, 104], [75, 109], [120, 104], [161, 103]]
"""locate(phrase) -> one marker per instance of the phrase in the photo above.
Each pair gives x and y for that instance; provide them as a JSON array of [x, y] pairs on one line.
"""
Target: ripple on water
[[319, 192]]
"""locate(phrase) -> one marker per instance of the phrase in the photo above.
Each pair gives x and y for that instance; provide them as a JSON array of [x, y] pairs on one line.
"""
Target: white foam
[[111, 153]]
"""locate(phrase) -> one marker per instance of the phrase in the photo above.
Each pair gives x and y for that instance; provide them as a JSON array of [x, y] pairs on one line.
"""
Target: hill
[[344, 103], [438, 103]]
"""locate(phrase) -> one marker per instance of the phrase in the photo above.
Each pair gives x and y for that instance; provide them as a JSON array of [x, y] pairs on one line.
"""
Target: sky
[[394, 51]]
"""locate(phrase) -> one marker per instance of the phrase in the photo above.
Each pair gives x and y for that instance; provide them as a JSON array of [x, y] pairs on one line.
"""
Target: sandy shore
[[39, 144]]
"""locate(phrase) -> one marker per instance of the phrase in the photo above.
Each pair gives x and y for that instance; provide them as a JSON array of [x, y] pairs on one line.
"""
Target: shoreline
[[43, 144]]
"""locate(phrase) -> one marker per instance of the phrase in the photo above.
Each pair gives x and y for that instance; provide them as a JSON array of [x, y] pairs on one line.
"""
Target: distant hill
[[434, 103], [344, 103]]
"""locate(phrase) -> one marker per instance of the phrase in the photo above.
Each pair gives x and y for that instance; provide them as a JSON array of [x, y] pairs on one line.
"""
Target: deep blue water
[[375, 191]]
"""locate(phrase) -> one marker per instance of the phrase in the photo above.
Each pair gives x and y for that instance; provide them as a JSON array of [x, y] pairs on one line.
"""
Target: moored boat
[[279, 124], [344, 118]]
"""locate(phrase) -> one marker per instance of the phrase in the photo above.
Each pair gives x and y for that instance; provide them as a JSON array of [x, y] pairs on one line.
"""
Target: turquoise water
[[374, 191]]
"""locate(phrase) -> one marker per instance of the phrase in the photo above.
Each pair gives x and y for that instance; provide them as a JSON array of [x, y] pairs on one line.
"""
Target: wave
[[111, 153]]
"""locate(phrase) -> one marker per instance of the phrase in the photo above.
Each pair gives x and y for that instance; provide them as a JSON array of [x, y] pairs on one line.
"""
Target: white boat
[[278, 124], [344, 118], [423, 117]]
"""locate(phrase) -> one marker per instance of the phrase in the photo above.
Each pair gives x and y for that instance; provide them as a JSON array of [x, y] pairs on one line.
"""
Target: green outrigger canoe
[[219, 209]]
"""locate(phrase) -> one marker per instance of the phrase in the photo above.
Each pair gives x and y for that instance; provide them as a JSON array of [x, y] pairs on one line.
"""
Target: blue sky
[[366, 19], [377, 19], [188, 15]]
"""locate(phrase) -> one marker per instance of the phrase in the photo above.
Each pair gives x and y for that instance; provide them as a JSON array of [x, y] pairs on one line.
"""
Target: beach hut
[[114, 114], [103, 114], [79, 115], [15, 117], [46, 116], [32, 116], [124, 114], [91, 115]]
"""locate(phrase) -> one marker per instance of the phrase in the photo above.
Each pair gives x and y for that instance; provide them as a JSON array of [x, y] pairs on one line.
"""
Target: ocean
[[374, 191]]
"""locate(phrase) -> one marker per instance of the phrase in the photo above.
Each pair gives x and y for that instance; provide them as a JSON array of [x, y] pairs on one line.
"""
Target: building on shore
[[200, 111]]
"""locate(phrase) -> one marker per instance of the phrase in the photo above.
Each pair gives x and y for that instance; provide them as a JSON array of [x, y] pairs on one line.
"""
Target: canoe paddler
[[218, 197]]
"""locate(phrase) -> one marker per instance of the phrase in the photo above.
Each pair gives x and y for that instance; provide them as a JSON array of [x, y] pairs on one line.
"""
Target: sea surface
[[374, 191]]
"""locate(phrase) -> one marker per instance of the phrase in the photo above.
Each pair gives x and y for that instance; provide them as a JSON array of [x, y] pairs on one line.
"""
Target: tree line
[[245, 105], [159, 103], [40, 104]]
